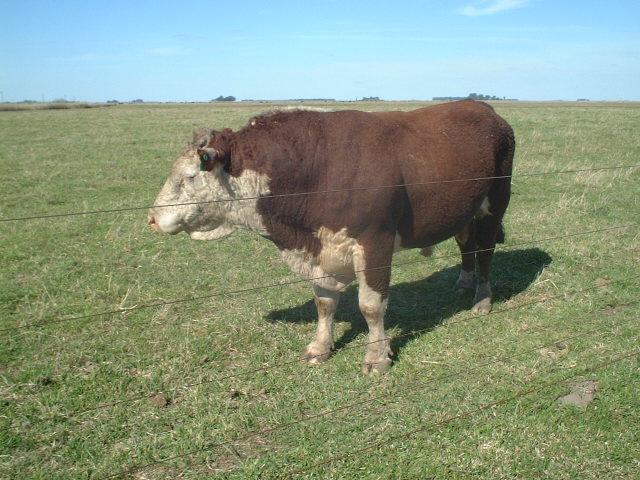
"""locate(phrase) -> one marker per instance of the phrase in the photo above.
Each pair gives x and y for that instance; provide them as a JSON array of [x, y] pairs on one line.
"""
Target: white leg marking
[[373, 308], [326, 303], [482, 300]]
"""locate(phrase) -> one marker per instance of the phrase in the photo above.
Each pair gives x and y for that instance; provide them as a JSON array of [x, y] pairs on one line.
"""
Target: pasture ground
[[567, 307]]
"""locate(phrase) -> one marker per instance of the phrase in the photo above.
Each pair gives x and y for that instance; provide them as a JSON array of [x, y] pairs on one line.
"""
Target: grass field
[[188, 377], [15, 107]]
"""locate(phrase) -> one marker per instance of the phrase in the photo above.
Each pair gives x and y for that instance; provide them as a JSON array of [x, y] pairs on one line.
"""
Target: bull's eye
[[204, 160]]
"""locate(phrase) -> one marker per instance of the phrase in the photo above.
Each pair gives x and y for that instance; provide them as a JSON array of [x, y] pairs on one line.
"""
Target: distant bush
[[230, 98], [66, 105]]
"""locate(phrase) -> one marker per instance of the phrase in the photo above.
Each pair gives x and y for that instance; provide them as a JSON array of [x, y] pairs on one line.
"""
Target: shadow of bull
[[423, 304]]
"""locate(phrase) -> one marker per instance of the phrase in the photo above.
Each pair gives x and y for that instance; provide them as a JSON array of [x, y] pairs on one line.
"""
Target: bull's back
[[349, 152], [445, 165]]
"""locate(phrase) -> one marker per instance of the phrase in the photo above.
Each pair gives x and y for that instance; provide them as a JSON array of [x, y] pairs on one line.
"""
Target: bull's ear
[[209, 158]]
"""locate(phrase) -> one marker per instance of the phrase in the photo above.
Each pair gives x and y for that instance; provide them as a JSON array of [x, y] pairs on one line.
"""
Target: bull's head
[[190, 198]]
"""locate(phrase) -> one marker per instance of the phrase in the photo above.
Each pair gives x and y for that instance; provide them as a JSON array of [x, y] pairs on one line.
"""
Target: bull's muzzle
[[166, 223]]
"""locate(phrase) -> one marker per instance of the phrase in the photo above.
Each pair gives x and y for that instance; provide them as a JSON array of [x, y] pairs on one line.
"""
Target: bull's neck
[[245, 189]]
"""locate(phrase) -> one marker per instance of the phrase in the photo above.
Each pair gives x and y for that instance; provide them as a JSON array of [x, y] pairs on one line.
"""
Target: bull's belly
[[430, 230], [337, 264], [342, 257], [334, 267]]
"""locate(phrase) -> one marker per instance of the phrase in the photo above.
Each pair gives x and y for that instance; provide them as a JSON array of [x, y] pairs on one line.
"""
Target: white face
[[187, 190]]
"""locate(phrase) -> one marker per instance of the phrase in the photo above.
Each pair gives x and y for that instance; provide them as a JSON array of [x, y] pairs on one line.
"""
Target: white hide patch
[[341, 259], [484, 209], [368, 298], [335, 260], [169, 223], [209, 205], [215, 234], [244, 213]]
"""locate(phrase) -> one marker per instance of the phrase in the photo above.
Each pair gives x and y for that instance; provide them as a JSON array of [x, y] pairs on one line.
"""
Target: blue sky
[[274, 49]]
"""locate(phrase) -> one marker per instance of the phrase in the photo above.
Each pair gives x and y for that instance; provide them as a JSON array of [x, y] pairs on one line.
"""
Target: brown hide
[[307, 151]]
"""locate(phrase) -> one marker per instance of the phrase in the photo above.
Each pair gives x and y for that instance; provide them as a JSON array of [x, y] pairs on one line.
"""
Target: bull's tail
[[500, 234], [500, 191]]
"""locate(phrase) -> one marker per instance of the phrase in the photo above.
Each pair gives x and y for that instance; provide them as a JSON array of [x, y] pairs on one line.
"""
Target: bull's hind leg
[[327, 303], [487, 229], [466, 241]]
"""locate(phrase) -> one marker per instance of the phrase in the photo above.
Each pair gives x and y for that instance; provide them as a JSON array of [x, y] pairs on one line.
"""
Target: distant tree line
[[290, 100], [370, 99], [473, 96]]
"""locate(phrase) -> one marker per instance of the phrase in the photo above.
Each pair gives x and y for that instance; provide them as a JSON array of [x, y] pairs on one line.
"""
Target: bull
[[339, 192]]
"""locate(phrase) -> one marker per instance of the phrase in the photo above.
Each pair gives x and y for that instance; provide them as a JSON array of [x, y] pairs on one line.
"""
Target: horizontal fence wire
[[317, 192], [468, 414], [375, 445], [293, 282], [375, 398], [285, 363]]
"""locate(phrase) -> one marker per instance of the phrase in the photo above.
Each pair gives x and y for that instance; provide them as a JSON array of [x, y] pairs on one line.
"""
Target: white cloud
[[488, 7], [90, 57]]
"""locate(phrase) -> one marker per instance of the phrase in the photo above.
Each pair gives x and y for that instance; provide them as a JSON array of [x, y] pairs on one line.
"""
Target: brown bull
[[382, 181]]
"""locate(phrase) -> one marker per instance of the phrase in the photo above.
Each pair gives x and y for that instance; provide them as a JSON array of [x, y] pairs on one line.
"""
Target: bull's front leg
[[327, 303], [373, 289], [373, 307]]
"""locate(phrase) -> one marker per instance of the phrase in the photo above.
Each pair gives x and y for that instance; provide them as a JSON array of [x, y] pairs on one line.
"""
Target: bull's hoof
[[376, 368], [483, 307], [316, 354]]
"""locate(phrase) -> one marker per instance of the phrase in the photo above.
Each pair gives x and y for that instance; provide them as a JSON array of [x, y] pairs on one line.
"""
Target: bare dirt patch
[[581, 394]]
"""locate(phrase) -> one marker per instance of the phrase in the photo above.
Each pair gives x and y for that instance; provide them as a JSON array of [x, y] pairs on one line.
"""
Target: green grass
[[52, 377]]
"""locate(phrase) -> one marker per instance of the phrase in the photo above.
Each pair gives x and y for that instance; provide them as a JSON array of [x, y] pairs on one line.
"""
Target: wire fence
[[384, 398], [42, 216], [297, 360], [426, 426], [595, 332], [293, 282]]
